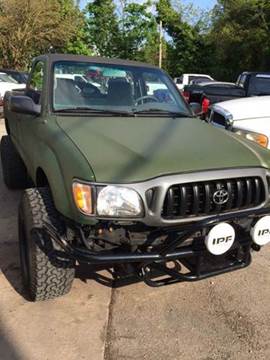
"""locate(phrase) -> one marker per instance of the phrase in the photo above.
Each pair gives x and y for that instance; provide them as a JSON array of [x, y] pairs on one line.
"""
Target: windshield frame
[[173, 88]]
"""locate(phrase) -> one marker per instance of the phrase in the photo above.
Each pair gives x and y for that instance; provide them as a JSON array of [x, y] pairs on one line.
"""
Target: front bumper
[[195, 258]]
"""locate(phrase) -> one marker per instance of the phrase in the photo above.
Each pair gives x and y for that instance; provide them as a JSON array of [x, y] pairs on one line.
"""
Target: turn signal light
[[259, 138], [82, 195]]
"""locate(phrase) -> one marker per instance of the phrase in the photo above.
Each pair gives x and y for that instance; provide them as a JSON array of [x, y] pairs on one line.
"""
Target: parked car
[[7, 83], [207, 93], [187, 79], [127, 178], [19, 76], [248, 84], [223, 92], [248, 117], [254, 83]]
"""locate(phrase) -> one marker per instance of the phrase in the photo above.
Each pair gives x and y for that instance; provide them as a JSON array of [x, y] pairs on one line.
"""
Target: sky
[[203, 4]]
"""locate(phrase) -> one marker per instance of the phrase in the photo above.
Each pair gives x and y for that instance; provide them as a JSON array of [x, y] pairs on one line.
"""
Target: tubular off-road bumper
[[198, 262]]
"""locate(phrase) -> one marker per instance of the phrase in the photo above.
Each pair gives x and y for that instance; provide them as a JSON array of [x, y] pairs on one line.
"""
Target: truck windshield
[[82, 86]]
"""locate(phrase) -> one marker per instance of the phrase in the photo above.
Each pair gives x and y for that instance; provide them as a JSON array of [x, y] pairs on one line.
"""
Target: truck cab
[[187, 79], [254, 83]]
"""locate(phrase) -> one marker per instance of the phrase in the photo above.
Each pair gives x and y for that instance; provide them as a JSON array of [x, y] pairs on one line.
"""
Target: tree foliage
[[232, 38], [186, 48], [240, 36], [129, 31], [138, 38], [30, 27], [78, 41], [103, 30]]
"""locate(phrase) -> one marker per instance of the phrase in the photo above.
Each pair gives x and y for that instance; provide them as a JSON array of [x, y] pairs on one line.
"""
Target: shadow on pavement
[[10, 266], [113, 277], [7, 348]]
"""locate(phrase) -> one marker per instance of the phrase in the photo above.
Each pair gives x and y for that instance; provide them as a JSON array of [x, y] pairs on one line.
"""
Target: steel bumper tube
[[168, 252]]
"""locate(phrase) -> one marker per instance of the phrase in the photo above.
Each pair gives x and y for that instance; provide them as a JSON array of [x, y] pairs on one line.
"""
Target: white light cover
[[117, 201], [220, 239], [260, 232]]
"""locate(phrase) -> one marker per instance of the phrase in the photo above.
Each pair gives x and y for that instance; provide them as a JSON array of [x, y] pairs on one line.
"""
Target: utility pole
[[160, 44]]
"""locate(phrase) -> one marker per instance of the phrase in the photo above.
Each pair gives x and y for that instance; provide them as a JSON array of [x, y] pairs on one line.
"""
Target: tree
[[78, 43], [128, 31], [186, 46], [30, 27], [139, 39], [102, 27], [240, 36]]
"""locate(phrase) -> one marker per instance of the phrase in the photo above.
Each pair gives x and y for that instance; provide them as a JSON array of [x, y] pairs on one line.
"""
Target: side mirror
[[23, 105], [196, 108]]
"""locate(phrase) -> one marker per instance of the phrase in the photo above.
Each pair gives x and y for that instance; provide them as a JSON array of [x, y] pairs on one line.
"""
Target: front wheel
[[45, 273]]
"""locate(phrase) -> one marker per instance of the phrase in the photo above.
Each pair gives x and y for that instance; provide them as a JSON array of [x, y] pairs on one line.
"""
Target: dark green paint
[[121, 150], [135, 149]]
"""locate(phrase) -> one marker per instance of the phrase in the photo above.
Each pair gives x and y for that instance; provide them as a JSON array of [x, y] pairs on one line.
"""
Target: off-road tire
[[14, 171], [46, 272]]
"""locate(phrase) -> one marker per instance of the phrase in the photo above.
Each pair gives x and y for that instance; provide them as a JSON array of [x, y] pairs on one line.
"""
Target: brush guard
[[153, 267]]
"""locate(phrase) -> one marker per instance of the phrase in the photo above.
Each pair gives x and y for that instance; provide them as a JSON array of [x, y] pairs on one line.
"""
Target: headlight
[[111, 201], [116, 201], [260, 139]]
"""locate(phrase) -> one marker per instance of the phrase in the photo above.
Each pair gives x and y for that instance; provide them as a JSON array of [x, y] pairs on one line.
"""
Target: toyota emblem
[[221, 196]]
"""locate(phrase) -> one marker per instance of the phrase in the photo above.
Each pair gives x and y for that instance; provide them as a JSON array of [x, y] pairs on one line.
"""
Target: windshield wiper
[[162, 111], [94, 111], [153, 111]]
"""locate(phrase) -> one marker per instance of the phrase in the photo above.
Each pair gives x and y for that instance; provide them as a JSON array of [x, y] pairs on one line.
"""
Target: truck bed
[[217, 92]]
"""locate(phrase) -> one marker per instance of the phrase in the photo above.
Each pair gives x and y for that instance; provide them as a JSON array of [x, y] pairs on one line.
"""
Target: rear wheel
[[46, 272], [14, 171]]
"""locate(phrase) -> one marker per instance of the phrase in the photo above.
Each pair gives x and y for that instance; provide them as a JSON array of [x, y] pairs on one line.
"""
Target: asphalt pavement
[[223, 318]]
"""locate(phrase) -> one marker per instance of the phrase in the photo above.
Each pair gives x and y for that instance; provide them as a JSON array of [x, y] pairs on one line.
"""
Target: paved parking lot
[[224, 318]]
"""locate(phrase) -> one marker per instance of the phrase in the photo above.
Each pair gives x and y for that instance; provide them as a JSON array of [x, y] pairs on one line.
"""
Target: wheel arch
[[54, 162], [41, 178], [51, 176]]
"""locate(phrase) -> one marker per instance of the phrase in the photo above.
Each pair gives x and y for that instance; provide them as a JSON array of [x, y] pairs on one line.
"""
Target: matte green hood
[[129, 149]]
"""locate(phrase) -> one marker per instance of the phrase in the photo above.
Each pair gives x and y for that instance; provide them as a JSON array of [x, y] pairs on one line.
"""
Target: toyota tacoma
[[117, 171]]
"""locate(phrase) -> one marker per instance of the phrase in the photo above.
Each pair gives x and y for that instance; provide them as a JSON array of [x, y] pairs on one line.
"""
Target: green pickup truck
[[118, 172]]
